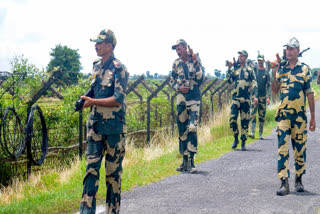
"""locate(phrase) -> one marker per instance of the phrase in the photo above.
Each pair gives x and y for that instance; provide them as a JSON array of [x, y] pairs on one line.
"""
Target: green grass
[[50, 196]]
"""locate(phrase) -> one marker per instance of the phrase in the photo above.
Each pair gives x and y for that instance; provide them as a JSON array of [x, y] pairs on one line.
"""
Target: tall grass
[[59, 190]]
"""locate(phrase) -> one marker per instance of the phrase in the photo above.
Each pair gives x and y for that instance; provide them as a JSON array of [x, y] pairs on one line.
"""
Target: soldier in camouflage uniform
[[244, 80], [293, 79], [263, 82], [106, 125], [186, 78]]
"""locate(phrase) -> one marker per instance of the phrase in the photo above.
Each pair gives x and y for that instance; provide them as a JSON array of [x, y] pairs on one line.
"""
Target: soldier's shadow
[[305, 193], [199, 172], [267, 139], [249, 150]]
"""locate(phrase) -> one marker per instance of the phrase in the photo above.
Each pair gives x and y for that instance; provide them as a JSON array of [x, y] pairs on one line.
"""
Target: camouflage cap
[[293, 43], [180, 41], [106, 35], [260, 57], [244, 52]]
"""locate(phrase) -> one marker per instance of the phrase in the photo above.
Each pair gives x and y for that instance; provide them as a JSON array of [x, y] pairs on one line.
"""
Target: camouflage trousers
[[292, 125], [261, 108], [113, 147], [242, 107], [187, 121]]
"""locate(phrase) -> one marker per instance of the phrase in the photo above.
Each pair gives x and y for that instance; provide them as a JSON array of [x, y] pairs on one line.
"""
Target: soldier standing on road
[[106, 125], [244, 81], [293, 79], [264, 93], [186, 78]]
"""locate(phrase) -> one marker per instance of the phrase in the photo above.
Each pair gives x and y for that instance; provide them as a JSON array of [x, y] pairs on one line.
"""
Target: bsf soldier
[[264, 92], [244, 81], [106, 125], [293, 79], [186, 78]]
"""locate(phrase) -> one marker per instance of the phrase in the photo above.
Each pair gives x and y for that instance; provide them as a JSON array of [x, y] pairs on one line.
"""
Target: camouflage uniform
[[244, 80], [295, 85], [263, 82], [188, 105], [106, 129]]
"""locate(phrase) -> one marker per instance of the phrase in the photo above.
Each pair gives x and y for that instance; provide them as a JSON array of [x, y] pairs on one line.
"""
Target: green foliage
[[69, 61], [18, 87], [64, 198]]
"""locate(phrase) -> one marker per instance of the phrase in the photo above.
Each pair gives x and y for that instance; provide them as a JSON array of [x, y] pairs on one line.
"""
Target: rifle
[[196, 61], [284, 59], [90, 93], [194, 58], [300, 54], [235, 64], [275, 87]]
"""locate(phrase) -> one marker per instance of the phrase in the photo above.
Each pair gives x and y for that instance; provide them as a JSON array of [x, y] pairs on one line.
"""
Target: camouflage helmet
[[244, 52], [293, 43], [106, 35], [180, 41], [260, 57]]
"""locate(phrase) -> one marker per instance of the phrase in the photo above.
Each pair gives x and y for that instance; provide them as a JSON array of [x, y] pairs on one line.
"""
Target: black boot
[[298, 184], [191, 167], [235, 142], [284, 189], [243, 145], [184, 165]]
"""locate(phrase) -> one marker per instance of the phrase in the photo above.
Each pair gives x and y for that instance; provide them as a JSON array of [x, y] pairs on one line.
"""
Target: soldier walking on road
[[293, 79], [244, 80], [186, 78], [264, 93], [106, 125]]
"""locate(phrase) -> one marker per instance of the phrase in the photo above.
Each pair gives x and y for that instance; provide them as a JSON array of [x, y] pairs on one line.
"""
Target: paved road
[[238, 182]]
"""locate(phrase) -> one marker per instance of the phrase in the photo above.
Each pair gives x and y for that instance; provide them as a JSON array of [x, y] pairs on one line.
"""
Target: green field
[[59, 190], [53, 192]]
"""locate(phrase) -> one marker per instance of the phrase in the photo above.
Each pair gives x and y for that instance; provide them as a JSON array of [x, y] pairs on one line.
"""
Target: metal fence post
[[80, 134]]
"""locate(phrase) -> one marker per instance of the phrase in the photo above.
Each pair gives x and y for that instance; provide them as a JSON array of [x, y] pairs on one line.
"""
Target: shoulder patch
[[305, 68], [177, 61], [249, 68], [96, 61], [117, 63]]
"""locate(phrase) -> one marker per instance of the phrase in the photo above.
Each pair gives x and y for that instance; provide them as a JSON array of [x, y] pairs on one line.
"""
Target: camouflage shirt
[[263, 82], [110, 80], [182, 73], [295, 84], [244, 80]]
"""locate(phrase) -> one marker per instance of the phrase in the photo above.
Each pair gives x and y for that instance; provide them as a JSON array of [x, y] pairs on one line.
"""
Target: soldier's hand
[[268, 101], [184, 89], [255, 101], [312, 124], [88, 101], [275, 69]]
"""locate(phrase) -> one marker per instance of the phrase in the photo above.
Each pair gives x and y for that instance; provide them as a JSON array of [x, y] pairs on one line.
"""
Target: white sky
[[147, 29]]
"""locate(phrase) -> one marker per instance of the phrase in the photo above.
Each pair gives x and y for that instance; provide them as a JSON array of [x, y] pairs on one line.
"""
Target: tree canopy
[[69, 61]]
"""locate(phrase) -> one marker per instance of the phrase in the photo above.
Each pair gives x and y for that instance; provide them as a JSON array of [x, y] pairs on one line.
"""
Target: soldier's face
[[181, 51], [103, 48], [242, 59], [260, 63], [292, 53]]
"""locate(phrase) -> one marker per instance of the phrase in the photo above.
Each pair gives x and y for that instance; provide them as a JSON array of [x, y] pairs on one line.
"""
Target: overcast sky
[[147, 29]]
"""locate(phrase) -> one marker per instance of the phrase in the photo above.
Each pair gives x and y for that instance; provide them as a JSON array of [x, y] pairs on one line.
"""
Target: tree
[[217, 73], [148, 74], [68, 60], [156, 75], [223, 76]]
